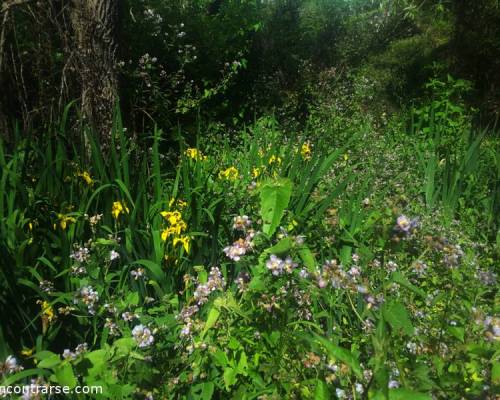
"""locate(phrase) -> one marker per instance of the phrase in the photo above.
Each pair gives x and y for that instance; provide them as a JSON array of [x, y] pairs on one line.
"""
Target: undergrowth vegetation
[[266, 265], [294, 200]]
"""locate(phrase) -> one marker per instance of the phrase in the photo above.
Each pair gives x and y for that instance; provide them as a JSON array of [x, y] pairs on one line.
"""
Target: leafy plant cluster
[[256, 268], [296, 201]]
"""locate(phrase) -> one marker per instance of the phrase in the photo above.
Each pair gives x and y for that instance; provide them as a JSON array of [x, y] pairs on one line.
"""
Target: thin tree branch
[[8, 4]]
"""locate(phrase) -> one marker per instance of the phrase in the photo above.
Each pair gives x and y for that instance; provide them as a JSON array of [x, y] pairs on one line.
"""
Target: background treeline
[[227, 60]]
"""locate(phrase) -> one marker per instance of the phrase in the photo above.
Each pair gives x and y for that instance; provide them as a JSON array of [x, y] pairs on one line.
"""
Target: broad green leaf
[[50, 361], [229, 377], [274, 199], [257, 284], [124, 346], [98, 360], [307, 258], [457, 332], [242, 364], [42, 355], [396, 315], [213, 316], [282, 247], [65, 375], [202, 391], [321, 392], [495, 373], [220, 358], [132, 299]]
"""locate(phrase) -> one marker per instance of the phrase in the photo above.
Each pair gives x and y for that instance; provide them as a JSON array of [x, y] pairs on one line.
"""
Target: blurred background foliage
[[231, 61]]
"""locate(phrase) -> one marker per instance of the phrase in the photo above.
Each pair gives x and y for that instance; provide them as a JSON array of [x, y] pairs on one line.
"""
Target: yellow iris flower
[[275, 160], [185, 241], [65, 220], [230, 174], [306, 151], [195, 154], [118, 208], [86, 177]]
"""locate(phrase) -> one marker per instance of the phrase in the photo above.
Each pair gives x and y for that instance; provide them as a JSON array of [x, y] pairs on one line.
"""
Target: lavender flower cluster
[[243, 245], [201, 294], [88, 296], [278, 266]]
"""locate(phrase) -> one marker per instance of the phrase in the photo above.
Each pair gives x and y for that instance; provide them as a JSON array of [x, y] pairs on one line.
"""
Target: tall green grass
[[460, 168]]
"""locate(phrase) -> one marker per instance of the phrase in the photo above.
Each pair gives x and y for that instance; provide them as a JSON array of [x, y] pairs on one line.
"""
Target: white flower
[[89, 297], [68, 354], [391, 266], [238, 249], [393, 384], [143, 336], [412, 347], [340, 393], [128, 316], [11, 365], [81, 255], [113, 255], [81, 348], [241, 223], [137, 273], [275, 265], [303, 274]]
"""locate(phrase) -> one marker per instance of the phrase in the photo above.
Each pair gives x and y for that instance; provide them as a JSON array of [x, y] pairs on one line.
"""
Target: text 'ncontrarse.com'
[[48, 390]]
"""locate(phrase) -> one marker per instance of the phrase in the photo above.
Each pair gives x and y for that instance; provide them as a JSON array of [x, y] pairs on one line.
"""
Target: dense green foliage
[[299, 200]]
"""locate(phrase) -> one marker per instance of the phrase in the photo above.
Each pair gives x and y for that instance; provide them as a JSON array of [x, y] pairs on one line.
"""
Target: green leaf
[[23, 374], [307, 258], [495, 373], [124, 346], [65, 375], [282, 247], [42, 355], [257, 284], [220, 358], [132, 299], [274, 199], [321, 392], [396, 315], [457, 332], [213, 316], [242, 364], [202, 391], [49, 361], [229, 377]]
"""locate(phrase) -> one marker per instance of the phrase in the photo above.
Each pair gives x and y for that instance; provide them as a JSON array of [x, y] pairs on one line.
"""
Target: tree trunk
[[95, 28]]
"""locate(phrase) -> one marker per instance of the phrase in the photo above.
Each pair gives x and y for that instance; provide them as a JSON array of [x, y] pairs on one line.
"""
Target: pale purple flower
[[143, 336], [275, 264], [406, 226], [137, 273], [393, 384]]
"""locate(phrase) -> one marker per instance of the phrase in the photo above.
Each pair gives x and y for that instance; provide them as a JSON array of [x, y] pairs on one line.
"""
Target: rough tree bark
[[95, 29]]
